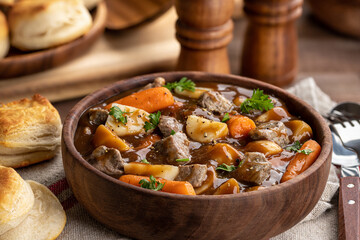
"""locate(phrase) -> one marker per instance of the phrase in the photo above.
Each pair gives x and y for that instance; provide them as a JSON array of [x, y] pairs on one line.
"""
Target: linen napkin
[[321, 223]]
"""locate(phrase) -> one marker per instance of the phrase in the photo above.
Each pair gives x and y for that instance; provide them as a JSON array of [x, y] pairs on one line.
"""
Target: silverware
[[344, 132]]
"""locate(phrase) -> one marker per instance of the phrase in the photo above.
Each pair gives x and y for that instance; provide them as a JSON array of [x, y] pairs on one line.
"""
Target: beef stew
[[217, 138]]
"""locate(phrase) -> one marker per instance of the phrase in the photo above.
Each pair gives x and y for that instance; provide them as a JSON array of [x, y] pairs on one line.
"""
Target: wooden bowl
[[145, 214], [124, 14], [23, 63], [342, 16]]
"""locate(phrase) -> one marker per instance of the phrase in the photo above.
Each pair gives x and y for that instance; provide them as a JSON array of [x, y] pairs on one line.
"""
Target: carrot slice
[[301, 161], [178, 187], [104, 136], [239, 126], [150, 100]]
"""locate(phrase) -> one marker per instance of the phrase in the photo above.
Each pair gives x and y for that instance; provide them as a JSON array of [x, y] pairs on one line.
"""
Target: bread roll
[[29, 132], [16, 199], [90, 4], [45, 221], [7, 2], [39, 24], [4, 36]]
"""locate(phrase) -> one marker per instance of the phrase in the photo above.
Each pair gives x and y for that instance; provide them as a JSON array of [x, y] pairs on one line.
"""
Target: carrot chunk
[[301, 161], [104, 136], [239, 126], [149, 100], [178, 187]]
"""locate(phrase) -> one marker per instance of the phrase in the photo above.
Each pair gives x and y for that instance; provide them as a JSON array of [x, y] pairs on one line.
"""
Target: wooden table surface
[[333, 60]]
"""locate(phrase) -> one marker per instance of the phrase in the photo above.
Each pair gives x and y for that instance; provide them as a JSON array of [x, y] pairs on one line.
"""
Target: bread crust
[[39, 24], [16, 199], [6, 3], [4, 36], [47, 216], [30, 131]]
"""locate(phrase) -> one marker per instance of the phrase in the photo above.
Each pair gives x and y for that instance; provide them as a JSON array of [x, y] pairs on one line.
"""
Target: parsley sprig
[[258, 101], [118, 114], [225, 167], [296, 148], [152, 184], [145, 161], [226, 117], [182, 160], [183, 84], [154, 119]]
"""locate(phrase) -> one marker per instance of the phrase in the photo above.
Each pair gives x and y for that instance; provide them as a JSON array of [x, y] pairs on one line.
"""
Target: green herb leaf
[[152, 184], [226, 117], [172, 132], [183, 84], [296, 148], [154, 121], [258, 101], [182, 160], [118, 114], [305, 151], [145, 161], [225, 167]]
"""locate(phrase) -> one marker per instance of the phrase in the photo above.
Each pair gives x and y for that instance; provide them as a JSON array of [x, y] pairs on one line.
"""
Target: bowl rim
[[71, 122]]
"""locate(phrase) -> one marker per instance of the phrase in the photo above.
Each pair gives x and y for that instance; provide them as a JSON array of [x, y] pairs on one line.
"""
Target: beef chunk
[[254, 169], [107, 160], [174, 147], [214, 102], [167, 124], [98, 116], [158, 82], [195, 174], [273, 131]]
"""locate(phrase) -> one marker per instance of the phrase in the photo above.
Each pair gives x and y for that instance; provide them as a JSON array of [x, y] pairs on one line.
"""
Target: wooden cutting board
[[148, 48]]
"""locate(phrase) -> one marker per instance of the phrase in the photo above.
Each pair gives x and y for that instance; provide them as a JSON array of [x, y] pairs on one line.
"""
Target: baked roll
[[7, 2], [29, 132], [90, 4], [4, 36], [16, 199], [39, 24], [46, 219]]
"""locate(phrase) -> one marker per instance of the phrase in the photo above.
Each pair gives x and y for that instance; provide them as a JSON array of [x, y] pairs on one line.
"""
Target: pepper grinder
[[270, 45], [204, 29]]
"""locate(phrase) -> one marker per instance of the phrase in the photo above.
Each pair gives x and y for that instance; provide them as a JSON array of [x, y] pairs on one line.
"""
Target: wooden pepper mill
[[204, 29], [270, 44]]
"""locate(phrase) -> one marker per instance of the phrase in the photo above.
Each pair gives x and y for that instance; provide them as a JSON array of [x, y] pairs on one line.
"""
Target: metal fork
[[349, 133], [349, 199]]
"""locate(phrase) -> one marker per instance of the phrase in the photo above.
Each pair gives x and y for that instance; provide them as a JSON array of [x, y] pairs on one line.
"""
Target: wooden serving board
[[148, 48]]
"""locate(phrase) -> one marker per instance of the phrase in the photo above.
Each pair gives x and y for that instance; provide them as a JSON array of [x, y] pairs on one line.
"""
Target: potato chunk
[[136, 119], [194, 95], [167, 172], [264, 146], [276, 114], [231, 186], [208, 183], [301, 131], [224, 153], [203, 130]]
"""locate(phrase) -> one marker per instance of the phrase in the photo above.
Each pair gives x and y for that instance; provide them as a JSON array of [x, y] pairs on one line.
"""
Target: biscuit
[[30, 131], [90, 4], [39, 24], [4, 36], [16, 199], [46, 219], [7, 2]]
